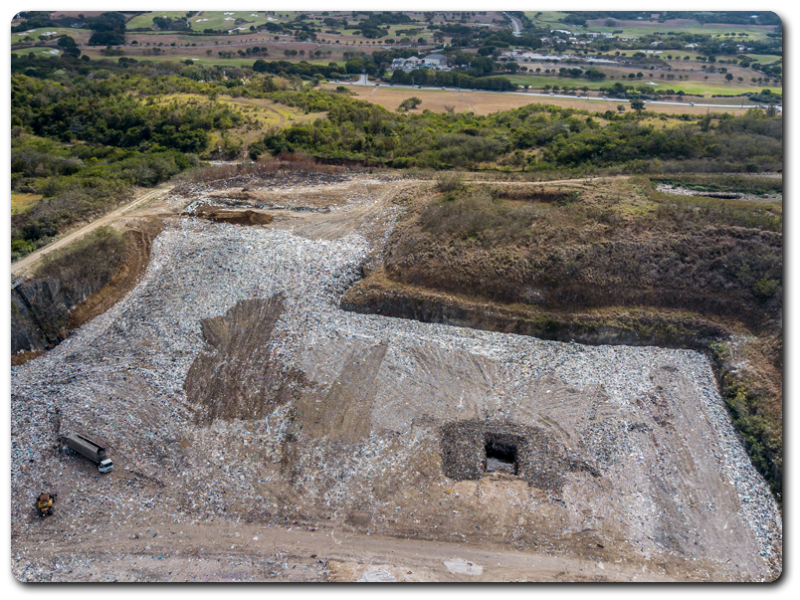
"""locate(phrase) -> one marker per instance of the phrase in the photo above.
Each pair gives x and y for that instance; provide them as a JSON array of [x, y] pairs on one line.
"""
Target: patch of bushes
[[760, 430], [447, 183], [77, 183], [757, 186]]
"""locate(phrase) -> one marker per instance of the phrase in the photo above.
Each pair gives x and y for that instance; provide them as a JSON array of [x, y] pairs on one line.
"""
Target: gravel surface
[[121, 378]]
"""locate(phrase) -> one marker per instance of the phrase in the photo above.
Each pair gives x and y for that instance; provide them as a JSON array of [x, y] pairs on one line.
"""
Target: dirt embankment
[[137, 256], [593, 261], [56, 307], [379, 294], [234, 217], [610, 261], [589, 246]]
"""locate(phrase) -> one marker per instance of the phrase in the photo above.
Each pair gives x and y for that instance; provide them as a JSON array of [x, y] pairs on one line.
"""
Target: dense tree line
[[108, 29], [563, 139], [428, 77], [77, 182]]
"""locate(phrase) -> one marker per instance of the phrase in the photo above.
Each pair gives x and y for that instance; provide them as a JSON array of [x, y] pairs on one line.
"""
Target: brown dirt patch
[[342, 412], [231, 378], [234, 217], [20, 358]]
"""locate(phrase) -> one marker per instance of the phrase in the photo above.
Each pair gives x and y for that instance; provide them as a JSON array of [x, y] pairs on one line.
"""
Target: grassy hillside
[[617, 243]]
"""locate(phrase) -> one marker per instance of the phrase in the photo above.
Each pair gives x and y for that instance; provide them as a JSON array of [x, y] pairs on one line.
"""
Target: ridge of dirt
[[234, 217], [378, 294], [137, 256]]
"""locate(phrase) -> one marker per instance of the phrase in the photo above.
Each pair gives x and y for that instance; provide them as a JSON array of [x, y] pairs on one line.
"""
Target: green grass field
[[38, 51], [765, 59], [224, 20], [547, 18], [35, 33], [696, 88], [146, 20]]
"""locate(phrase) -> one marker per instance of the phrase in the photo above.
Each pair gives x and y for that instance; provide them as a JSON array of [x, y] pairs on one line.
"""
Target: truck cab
[[106, 466]]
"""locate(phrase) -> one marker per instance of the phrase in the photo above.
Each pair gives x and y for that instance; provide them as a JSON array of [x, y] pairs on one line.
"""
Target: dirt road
[[27, 263], [225, 551]]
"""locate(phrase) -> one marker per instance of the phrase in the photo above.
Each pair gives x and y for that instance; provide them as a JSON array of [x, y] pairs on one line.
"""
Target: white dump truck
[[91, 450]]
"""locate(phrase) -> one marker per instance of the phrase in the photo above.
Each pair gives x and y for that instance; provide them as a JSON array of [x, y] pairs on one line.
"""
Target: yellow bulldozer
[[45, 504]]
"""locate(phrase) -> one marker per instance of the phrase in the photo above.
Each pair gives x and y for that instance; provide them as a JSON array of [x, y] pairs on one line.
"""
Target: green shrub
[[447, 183]]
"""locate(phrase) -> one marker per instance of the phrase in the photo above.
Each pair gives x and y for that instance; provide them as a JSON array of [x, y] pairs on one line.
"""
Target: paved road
[[27, 263], [515, 24], [596, 99]]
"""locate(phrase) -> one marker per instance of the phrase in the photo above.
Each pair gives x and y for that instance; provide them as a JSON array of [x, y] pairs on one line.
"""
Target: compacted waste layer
[[229, 385]]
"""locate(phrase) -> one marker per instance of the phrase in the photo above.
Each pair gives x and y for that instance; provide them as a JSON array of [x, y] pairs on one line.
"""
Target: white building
[[435, 61], [432, 61]]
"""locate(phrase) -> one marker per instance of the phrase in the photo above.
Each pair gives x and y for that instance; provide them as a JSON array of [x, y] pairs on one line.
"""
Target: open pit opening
[[501, 457]]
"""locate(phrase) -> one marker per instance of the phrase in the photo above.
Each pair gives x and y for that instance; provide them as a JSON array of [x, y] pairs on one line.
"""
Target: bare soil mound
[[234, 217]]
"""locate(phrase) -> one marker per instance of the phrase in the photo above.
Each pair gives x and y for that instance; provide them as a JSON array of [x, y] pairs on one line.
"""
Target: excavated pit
[[234, 217], [501, 456]]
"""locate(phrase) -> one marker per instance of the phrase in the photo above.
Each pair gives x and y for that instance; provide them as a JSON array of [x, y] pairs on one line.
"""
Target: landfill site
[[259, 432]]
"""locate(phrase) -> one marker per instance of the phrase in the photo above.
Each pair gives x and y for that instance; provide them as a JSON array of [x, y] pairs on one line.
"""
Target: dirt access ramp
[[26, 264], [361, 205]]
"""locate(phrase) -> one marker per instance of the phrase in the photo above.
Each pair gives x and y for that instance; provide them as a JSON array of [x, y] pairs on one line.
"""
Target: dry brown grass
[[484, 103], [22, 202]]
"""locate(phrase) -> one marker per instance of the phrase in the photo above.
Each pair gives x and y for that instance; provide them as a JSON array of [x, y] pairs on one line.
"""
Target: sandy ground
[[230, 551]]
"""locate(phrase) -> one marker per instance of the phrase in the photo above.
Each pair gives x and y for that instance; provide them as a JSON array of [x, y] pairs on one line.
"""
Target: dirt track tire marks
[[342, 411]]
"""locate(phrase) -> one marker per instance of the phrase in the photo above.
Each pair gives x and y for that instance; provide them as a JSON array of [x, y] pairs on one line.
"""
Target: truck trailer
[[91, 450]]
